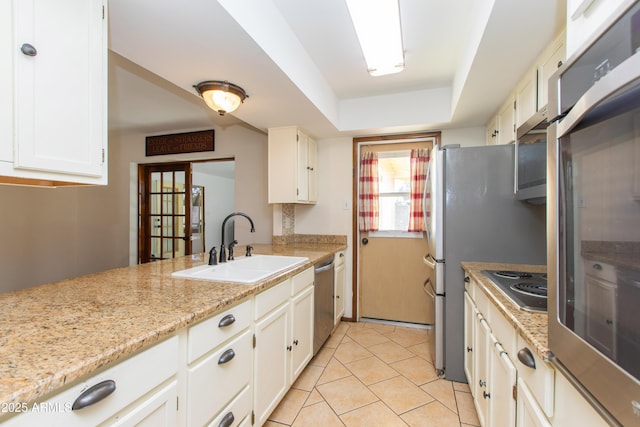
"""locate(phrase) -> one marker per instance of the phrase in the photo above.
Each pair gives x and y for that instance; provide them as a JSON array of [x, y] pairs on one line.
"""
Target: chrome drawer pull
[[94, 394]]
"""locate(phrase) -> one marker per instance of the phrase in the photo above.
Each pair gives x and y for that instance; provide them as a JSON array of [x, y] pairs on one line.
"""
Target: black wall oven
[[593, 216]]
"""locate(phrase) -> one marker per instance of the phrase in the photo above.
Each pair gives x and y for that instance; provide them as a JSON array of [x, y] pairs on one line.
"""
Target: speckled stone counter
[[532, 326], [54, 334]]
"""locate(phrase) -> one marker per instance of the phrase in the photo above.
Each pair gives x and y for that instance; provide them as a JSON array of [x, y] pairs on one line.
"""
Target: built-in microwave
[[593, 218], [530, 180]]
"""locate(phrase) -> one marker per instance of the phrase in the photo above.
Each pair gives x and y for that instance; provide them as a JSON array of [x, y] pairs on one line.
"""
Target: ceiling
[[301, 64]]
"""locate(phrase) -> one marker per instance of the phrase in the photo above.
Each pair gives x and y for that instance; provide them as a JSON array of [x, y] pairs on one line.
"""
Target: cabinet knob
[[609, 322], [486, 395], [28, 49], [467, 279], [482, 383], [295, 342], [289, 348], [469, 349]]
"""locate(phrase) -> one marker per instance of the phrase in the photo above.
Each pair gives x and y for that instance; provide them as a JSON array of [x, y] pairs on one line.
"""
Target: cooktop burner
[[526, 290], [512, 274]]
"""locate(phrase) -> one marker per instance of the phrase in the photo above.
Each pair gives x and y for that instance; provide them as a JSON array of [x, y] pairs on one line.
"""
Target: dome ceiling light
[[221, 96]]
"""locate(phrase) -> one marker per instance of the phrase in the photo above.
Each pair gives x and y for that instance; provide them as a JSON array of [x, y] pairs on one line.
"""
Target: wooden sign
[[179, 143]]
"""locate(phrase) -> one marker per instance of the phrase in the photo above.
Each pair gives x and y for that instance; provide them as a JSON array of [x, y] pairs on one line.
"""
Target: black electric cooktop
[[526, 290]]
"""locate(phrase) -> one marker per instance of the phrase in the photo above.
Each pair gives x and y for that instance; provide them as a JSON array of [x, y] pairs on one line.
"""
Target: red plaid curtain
[[368, 198], [419, 165]]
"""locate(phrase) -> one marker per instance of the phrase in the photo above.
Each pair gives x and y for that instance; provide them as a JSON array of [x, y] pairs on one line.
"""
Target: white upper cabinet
[[292, 166], [53, 81], [527, 97], [550, 61], [584, 18], [507, 122]]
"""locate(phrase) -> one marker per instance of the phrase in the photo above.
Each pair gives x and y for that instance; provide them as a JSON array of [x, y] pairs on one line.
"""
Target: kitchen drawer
[[272, 298], [207, 335], [133, 378], [238, 410], [600, 270], [503, 330], [539, 380], [214, 382], [302, 280]]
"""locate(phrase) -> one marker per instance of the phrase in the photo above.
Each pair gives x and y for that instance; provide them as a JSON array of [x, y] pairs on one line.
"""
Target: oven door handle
[[619, 77]]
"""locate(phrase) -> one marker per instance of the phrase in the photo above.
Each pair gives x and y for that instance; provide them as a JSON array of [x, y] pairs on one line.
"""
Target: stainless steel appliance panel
[[475, 194], [594, 223], [323, 303]]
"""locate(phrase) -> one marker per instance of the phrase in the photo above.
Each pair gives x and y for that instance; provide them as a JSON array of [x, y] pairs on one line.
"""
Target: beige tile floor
[[371, 374]]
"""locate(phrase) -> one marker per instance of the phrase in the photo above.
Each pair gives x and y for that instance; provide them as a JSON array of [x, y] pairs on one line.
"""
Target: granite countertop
[[531, 325], [54, 334]]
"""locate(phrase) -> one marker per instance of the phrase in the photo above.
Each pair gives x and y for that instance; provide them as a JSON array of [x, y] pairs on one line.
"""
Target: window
[[394, 190]]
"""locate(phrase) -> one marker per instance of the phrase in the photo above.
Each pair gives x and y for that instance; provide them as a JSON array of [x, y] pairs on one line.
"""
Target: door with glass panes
[[165, 210]]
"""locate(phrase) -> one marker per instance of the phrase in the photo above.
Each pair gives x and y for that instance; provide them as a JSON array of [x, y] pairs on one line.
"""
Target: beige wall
[[53, 234]]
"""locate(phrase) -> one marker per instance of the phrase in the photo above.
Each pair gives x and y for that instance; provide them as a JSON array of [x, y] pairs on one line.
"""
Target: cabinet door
[[526, 98], [601, 316], [157, 411], [548, 66], [482, 335], [469, 321], [491, 136], [312, 171], [507, 122], [60, 92], [529, 413], [502, 404], [301, 341], [338, 295], [303, 167], [270, 362]]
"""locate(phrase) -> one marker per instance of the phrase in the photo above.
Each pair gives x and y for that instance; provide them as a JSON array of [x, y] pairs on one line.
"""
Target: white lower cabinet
[[138, 391], [511, 385], [340, 278], [220, 357], [229, 370], [283, 340]]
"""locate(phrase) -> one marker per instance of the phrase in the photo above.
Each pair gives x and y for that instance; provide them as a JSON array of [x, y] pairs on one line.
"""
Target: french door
[[165, 211]]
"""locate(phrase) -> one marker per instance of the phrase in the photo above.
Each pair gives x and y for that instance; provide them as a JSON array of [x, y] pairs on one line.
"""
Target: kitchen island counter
[[54, 334], [532, 326]]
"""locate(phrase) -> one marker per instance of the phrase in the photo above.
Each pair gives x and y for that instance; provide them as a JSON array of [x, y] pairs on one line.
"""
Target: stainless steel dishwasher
[[323, 303]]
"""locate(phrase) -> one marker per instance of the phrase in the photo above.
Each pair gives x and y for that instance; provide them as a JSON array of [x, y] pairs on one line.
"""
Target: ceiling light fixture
[[221, 96], [377, 24]]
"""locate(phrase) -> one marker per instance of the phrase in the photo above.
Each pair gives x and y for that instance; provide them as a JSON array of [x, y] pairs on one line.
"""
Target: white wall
[[219, 201], [466, 137]]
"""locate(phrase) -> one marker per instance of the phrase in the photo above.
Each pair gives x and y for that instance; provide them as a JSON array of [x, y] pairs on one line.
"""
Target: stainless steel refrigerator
[[474, 216]]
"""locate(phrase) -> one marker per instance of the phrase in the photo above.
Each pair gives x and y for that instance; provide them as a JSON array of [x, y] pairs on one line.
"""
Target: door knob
[[365, 240]]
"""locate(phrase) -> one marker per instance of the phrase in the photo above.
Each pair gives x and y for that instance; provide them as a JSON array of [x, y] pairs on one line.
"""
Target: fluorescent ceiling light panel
[[377, 24]]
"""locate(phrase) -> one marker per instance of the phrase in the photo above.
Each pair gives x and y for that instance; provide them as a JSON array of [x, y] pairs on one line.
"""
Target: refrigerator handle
[[429, 261], [428, 288]]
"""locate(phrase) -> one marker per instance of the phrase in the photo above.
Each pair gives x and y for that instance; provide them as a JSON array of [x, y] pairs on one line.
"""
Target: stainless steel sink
[[246, 270]]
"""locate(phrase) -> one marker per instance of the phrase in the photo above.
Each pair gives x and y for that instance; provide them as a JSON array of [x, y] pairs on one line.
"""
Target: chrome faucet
[[223, 256]]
